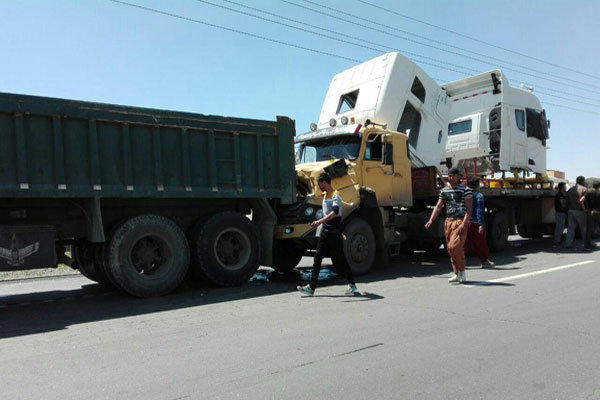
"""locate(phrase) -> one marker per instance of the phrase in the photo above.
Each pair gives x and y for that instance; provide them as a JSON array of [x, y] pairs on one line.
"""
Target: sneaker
[[488, 264], [306, 290], [351, 290], [462, 277], [453, 279], [555, 245]]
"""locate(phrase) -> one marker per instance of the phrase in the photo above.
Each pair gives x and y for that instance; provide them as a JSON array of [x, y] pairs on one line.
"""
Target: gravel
[[37, 273]]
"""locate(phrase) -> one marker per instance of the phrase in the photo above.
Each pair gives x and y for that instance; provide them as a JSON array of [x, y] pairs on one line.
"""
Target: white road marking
[[543, 271]]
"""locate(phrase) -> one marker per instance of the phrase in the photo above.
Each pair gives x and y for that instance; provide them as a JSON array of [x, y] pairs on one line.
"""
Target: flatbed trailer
[[523, 206]]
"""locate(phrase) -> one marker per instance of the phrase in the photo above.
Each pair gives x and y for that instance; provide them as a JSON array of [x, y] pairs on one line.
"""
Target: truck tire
[[147, 255], [359, 248], [88, 257], [195, 275], [523, 231], [102, 258], [531, 230], [497, 234], [226, 249], [286, 256]]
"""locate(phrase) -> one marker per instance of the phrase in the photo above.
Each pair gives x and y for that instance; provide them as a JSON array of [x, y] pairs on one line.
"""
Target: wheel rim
[[150, 254], [359, 248], [232, 249]]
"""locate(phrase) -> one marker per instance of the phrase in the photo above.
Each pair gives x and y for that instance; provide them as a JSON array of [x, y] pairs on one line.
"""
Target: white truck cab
[[391, 90], [495, 126]]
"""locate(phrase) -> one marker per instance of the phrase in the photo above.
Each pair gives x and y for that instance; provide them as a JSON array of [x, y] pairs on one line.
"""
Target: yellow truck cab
[[371, 171]]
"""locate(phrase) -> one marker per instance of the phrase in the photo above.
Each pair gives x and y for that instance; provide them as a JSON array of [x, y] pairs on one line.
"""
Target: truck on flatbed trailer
[[382, 135], [140, 197]]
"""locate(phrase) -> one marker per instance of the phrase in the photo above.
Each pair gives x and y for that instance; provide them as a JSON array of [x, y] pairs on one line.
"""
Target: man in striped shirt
[[458, 200]]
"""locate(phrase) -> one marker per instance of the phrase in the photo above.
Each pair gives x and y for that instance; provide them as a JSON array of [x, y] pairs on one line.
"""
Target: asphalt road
[[528, 329]]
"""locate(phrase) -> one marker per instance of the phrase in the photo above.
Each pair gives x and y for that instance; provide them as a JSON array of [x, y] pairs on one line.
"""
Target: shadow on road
[[487, 283], [364, 296], [32, 313]]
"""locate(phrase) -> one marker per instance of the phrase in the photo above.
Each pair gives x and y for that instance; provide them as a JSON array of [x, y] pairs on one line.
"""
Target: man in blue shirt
[[476, 230]]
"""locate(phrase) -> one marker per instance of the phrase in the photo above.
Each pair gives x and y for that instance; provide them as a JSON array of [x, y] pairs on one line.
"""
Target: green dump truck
[[137, 198]]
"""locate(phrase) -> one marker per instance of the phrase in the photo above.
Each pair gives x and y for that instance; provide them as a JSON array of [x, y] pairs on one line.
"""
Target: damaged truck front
[[370, 169]]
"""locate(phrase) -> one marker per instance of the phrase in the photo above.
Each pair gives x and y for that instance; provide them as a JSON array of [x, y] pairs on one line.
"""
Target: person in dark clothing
[[330, 239], [591, 205], [476, 229], [560, 208], [576, 211]]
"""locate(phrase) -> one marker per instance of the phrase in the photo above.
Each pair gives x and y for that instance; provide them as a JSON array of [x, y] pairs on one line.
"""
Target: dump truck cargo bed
[[54, 148]]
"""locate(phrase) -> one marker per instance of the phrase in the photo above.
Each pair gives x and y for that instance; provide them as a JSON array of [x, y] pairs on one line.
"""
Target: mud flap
[[27, 247]]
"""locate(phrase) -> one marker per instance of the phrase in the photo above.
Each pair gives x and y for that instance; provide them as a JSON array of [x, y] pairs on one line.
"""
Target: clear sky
[[98, 50]]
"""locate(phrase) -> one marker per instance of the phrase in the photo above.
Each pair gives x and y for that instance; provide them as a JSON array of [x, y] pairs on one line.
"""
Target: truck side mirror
[[388, 154]]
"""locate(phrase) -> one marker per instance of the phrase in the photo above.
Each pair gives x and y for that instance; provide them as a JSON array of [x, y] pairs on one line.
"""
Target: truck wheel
[[498, 231], [286, 256], [522, 230], [226, 249], [531, 230], [358, 250], [88, 257], [431, 248], [147, 255]]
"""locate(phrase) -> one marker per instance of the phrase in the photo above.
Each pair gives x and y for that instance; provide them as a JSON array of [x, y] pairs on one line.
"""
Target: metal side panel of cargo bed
[[54, 148]]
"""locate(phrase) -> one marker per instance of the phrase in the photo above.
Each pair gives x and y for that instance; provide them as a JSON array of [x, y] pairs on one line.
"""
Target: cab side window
[[410, 122], [347, 102], [418, 90], [373, 151], [520, 118]]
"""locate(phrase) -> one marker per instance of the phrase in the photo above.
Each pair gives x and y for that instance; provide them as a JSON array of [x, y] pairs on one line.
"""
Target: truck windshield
[[345, 147]]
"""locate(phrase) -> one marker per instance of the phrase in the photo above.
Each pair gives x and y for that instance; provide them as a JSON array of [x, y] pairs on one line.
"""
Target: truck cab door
[[376, 173], [518, 133]]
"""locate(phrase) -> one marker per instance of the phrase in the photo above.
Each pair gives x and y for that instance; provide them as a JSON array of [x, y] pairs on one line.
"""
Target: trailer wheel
[[286, 256], [147, 255], [226, 249], [88, 257], [531, 230], [359, 248], [498, 231]]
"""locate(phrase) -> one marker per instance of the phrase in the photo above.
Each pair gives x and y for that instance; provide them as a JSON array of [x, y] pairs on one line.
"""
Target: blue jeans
[[561, 217]]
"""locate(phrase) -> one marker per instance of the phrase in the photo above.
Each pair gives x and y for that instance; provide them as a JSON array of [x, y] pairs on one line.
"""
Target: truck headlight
[[309, 211], [319, 214]]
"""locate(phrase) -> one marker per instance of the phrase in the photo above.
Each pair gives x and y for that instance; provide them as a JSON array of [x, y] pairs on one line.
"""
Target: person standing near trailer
[[591, 203], [476, 229], [458, 200], [560, 208], [576, 211]]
